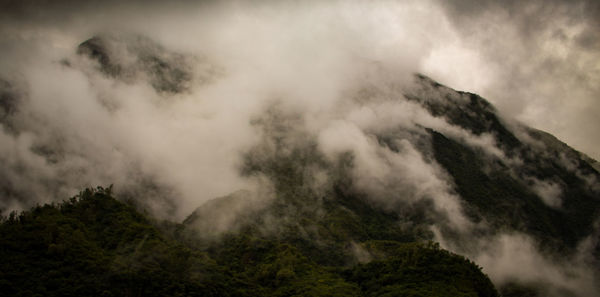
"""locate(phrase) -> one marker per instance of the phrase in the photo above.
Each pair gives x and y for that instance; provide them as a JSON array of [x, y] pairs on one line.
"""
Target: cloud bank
[[336, 71]]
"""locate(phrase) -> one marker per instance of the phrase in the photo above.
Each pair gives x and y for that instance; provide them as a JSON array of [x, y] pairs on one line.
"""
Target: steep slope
[[509, 179], [535, 184], [510, 176]]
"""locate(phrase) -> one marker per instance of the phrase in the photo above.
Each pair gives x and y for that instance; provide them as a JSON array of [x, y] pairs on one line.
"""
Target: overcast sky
[[537, 61]]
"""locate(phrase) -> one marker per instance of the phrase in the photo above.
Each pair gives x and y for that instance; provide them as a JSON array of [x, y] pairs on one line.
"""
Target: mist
[[536, 61], [267, 77], [101, 129]]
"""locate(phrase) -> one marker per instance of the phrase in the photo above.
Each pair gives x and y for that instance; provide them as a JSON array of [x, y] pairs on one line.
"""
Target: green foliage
[[277, 268], [419, 270], [93, 245]]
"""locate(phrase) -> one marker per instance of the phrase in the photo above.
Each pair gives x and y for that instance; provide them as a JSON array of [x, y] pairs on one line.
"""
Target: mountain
[[505, 190], [404, 189]]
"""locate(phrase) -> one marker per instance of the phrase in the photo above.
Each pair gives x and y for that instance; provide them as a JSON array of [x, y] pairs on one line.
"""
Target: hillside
[[93, 245]]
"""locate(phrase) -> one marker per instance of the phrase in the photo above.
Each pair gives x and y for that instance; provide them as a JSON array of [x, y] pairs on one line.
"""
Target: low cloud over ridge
[[340, 68]]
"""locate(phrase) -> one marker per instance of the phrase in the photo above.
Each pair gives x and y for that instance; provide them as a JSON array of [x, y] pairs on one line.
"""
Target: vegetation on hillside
[[94, 245]]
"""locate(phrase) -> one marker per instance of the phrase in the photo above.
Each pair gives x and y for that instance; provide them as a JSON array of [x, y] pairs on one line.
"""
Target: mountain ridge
[[399, 191]]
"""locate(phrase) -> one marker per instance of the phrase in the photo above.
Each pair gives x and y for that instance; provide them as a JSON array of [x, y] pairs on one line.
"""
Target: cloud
[[87, 127], [318, 60], [268, 77], [549, 192], [510, 258], [516, 258], [535, 60]]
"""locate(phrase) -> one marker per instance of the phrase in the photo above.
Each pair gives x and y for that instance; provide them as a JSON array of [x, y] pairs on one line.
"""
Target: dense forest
[[95, 245]]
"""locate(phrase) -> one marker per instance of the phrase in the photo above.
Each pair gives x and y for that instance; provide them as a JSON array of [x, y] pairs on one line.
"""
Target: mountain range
[[410, 189]]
